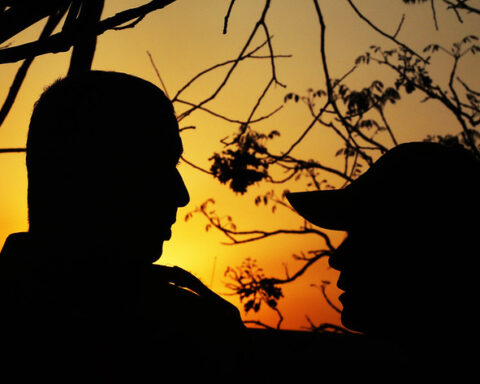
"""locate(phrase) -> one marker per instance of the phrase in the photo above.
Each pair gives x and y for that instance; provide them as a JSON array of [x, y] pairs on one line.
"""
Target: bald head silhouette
[[102, 151]]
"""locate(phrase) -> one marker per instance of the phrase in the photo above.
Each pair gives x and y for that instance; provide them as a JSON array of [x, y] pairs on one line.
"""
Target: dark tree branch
[[73, 14], [304, 133], [195, 166], [383, 33], [461, 4], [63, 41], [22, 71], [399, 26], [253, 235], [465, 85], [84, 48], [227, 16], [259, 323], [235, 62], [434, 13], [450, 99], [272, 55], [250, 54], [24, 13], [323, 289], [131, 24], [308, 263], [226, 118], [326, 327], [158, 74], [12, 150], [351, 129]]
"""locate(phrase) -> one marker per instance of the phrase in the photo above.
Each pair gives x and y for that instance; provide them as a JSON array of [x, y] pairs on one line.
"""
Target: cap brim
[[332, 209]]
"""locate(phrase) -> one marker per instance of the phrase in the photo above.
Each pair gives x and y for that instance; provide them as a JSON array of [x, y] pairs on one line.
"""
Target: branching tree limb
[[66, 39], [22, 71], [86, 42], [381, 32], [356, 116]]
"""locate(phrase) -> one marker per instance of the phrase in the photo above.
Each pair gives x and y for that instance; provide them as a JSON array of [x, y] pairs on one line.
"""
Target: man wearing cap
[[79, 291], [407, 263]]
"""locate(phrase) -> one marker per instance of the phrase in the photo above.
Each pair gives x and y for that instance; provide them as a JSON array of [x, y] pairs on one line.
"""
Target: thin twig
[[130, 25], [236, 62], [390, 37], [301, 270], [218, 65], [461, 4], [12, 150], [467, 87], [158, 74], [22, 71], [399, 26], [350, 128], [195, 166], [304, 133], [434, 14], [226, 118], [272, 55], [227, 17], [327, 299], [259, 323]]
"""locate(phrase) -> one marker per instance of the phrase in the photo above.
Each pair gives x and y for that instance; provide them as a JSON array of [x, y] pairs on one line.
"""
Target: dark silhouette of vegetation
[[358, 117]]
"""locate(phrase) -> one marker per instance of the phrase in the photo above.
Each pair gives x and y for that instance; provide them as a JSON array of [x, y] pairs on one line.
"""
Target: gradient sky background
[[185, 38]]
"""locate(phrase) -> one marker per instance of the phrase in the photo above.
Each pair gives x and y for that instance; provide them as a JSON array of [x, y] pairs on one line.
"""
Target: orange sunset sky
[[186, 38]]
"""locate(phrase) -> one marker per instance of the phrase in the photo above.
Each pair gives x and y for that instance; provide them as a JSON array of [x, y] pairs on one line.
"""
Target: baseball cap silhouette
[[411, 181]]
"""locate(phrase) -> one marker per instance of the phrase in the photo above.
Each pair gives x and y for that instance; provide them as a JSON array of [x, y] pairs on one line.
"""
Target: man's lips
[[341, 283], [167, 233]]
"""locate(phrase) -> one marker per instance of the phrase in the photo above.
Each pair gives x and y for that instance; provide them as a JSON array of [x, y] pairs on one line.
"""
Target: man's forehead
[[178, 147], [166, 145]]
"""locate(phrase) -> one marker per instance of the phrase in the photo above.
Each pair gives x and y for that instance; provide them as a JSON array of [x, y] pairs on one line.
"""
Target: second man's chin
[[147, 252]]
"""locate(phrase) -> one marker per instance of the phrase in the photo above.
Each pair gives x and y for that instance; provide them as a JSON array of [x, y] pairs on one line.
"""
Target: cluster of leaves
[[270, 197], [374, 96], [311, 94], [250, 284], [361, 112], [242, 163], [357, 102], [225, 222], [454, 140], [412, 75], [411, 69]]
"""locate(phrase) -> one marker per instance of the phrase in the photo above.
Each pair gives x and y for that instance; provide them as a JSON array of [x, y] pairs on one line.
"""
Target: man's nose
[[182, 195], [336, 259], [333, 261]]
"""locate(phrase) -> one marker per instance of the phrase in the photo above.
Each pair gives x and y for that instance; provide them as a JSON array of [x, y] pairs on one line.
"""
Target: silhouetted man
[[79, 289], [407, 264]]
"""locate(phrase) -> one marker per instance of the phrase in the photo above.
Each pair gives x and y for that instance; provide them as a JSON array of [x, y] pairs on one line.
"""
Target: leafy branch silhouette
[[358, 117]]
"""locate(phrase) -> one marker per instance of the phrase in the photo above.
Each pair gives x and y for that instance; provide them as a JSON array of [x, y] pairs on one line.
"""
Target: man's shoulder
[[14, 257], [174, 292]]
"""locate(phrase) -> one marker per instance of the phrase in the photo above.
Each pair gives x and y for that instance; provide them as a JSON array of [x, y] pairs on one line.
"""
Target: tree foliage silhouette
[[357, 117]]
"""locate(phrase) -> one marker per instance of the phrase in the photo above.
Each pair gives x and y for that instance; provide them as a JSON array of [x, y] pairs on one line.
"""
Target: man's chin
[[356, 318], [156, 252], [148, 252]]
